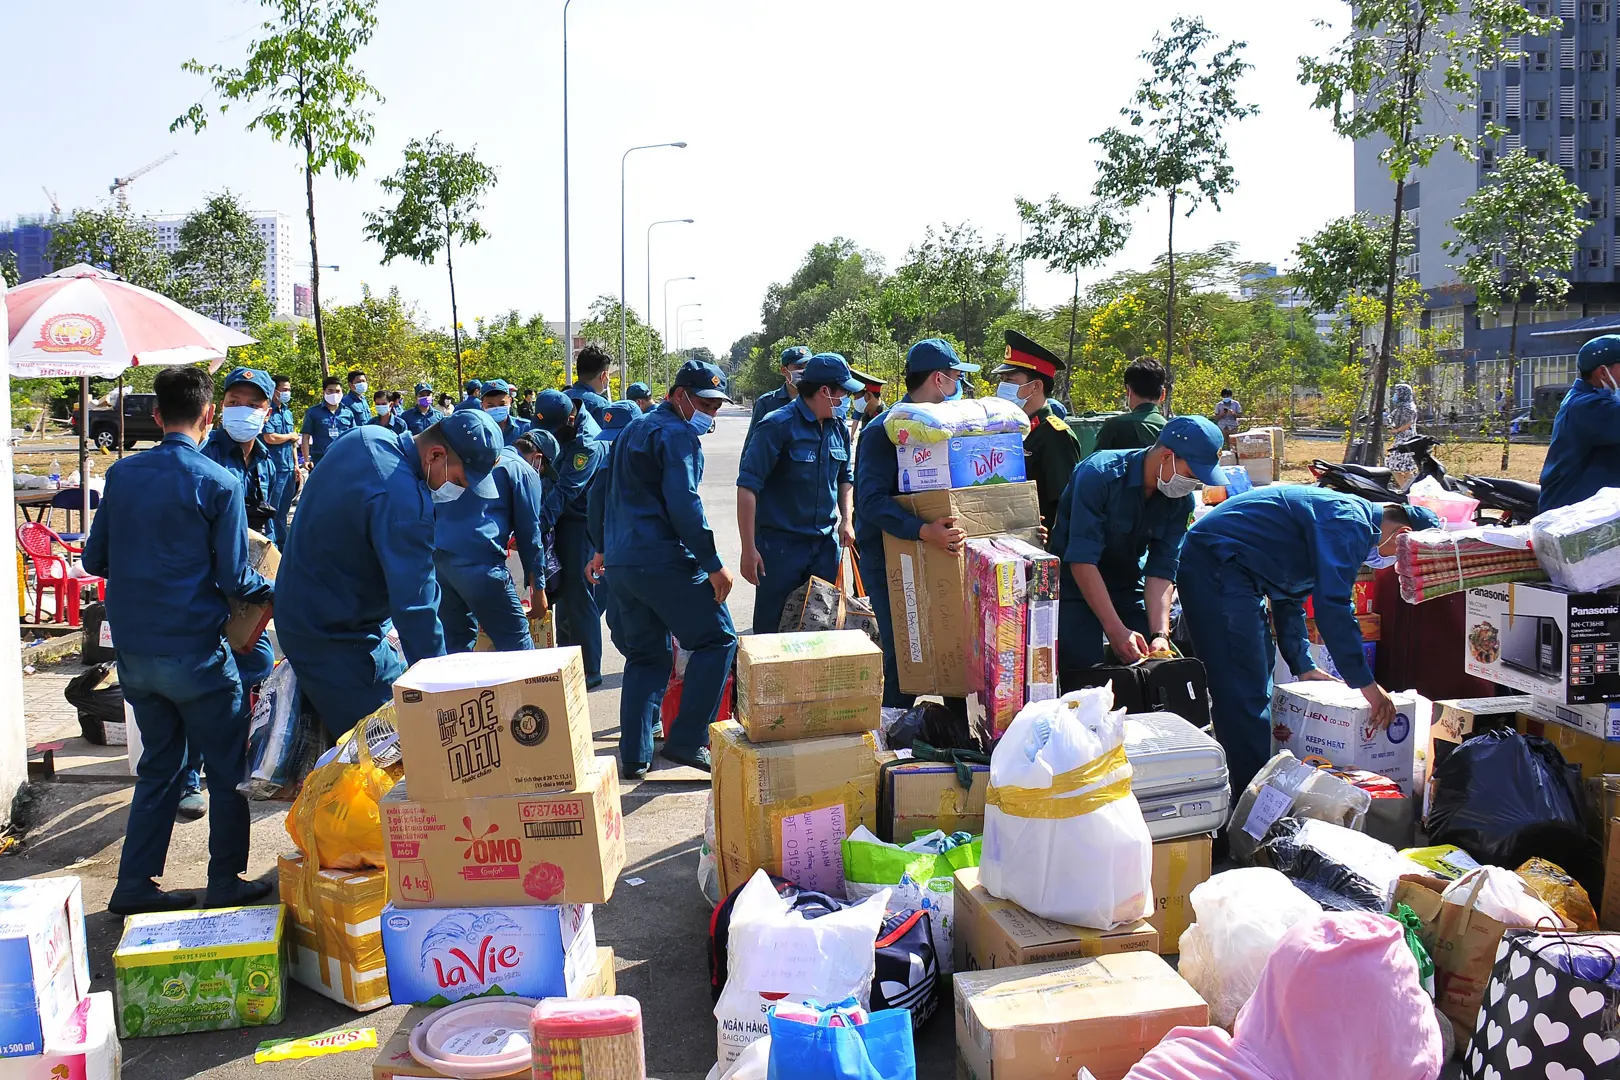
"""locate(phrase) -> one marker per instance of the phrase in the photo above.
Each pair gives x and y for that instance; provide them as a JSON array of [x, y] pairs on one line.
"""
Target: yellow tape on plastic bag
[[1050, 802], [335, 820]]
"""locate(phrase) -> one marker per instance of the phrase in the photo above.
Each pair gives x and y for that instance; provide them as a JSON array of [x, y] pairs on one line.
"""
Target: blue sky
[[864, 118]]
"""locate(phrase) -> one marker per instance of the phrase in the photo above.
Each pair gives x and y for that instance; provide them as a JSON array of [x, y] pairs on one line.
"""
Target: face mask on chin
[[1176, 486], [447, 491]]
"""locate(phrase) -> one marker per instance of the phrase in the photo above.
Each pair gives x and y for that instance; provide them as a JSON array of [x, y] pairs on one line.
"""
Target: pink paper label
[[812, 849]]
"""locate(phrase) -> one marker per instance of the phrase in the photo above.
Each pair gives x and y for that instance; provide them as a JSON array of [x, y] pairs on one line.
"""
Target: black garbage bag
[[100, 700], [1504, 797], [1340, 869]]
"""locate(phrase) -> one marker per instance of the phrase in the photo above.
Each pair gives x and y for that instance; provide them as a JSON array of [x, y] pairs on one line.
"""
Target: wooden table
[[28, 499]]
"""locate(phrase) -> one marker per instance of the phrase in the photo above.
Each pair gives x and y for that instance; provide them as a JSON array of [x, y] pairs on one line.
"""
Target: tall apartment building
[[29, 240], [275, 229], [1560, 103]]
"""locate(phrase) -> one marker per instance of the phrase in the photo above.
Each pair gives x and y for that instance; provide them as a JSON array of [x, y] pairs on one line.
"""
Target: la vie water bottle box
[[44, 966], [437, 956], [965, 461]]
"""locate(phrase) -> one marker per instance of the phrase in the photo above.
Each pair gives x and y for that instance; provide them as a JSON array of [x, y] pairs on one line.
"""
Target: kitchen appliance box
[[796, 686], [438, 956], [1599, 721], [1049, 1021], [1546, 641], [44, 963], [545, 847], [501, 723], [963, 462], [927, 593], [1329, 723], [994, 933]]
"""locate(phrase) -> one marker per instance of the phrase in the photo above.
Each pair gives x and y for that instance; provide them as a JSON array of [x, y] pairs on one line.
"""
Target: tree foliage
[[113, 240], [954, 279], [219, 265], [309, 94], [601, 327], [831, 274], [1070, 239]]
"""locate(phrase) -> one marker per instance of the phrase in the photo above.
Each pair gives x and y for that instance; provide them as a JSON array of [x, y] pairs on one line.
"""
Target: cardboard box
[[1043, 576], [1546, 641], [44, 962], [964, 462], [85, 1047], [553, 847], [927, 597], [394, 1056], [1595, 756], [200, 970], [795, 686], [247, 621], [1281, 673], [1049, 1021], [786, 807], [542, 631], [1456, 719], [996, 933], [438, 956], [1599, 721], [921, 796], [503, 723], [1325, 723], [1610, 917], [1179, 866], [337, 950], [1371, 627], [995, 614]]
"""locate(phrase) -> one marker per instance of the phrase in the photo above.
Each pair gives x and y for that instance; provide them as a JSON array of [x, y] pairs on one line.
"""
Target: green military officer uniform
[[1051, 449], [1134, 430]]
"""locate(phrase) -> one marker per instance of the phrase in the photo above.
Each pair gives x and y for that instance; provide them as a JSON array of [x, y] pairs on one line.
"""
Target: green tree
[[1380, 83], [520, 350], [830, 274], [439, 189], [112, 240], [1069, 239], [954, 279], [1347, 255], [602, 327], [739, 353], [1517, 236], [8, 269], [219, 265], [311, 96], [1176, 142]]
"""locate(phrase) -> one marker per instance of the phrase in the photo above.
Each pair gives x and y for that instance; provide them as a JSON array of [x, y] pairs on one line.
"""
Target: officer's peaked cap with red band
[[1025, 354]]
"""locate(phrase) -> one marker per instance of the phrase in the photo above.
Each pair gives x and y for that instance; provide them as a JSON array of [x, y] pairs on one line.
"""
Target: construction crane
[[56, 205], [119, 188]]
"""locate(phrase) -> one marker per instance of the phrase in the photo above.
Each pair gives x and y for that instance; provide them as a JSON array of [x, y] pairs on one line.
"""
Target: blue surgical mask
[[382, 408], [701, 422], [242, 422], [499, 413], [284, 397], [841, 410], [360, 387], [1010, 391], [859, 407], [956, 395], [447, 492], [1376, 561]]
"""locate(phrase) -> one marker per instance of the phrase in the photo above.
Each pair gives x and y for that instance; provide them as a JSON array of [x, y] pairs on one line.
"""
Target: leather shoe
[[237, 893], [149, 901], [698, 760]]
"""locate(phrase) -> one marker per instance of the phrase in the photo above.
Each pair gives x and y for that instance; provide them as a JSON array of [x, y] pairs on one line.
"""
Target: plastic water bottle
[[56, 473]]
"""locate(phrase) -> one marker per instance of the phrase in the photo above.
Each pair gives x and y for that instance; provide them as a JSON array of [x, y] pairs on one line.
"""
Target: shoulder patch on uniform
[[581, 459], [1057, 421]]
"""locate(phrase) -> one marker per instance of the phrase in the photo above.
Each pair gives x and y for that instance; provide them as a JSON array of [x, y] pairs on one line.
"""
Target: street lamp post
[[667, 341], [679, 325], [688, 322], [623, 300], [666, 221], [568, 292]]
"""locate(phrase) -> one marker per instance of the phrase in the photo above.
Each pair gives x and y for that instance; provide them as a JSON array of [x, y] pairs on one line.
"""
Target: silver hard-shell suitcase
[[1178, 775]]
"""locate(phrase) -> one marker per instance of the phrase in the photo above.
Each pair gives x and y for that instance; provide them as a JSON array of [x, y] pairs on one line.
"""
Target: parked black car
[[138, 422]]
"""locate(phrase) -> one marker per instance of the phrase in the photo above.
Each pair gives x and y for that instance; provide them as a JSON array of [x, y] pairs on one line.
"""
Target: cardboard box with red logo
[[498, 723], [555, 847]]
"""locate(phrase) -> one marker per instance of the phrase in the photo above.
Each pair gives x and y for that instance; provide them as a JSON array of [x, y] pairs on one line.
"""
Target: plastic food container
[[476, 1039], [1454, 510], [588, 1039]]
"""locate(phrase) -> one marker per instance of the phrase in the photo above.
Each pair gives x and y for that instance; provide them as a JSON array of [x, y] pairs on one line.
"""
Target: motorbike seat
[[1376, 474], [1516, 490]]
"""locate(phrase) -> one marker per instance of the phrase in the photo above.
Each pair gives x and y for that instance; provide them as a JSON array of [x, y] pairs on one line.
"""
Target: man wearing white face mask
[[361, 556], [1585, 453], [323, 423], [1051, 451], [235, 444], [1120, 526]]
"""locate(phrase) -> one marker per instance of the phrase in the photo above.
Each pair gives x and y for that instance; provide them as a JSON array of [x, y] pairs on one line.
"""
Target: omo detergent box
[[201, 970], [44, 967], [962, 462], [437, 956]]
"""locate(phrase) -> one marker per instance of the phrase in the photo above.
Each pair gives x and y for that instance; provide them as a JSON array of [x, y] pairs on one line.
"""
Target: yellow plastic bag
[[335, 821], [1560, 892]]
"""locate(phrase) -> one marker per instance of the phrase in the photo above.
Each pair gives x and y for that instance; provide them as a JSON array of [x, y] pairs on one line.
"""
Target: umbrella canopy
[[84, 322]]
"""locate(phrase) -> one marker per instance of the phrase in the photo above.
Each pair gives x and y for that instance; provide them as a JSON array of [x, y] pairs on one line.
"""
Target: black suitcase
[[1174, 685]]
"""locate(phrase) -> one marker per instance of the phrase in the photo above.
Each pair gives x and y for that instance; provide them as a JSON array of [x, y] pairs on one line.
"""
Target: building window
[[1487, 158], [1538, 60], [1597, 159], [1559, 314], [1598, 208], [1538, 154], [1450, 318], [1487, 110], [1540, 7], [1597, 109], [1597, 60], [1596, 12], [1540, 109], [1592, 258]]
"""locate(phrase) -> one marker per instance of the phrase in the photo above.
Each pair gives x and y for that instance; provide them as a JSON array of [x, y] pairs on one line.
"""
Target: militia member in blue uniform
[[281, 438], [386, 416], [1281, 543], [795, 490], [469, 539], [618, 416], [362, 555], [171, 540], [579, 618], [592, 366], [641, 394], [498, 395], [1585, 453], [1119, 528], [422, 415], [323, 423], [794, 357], [472, 396], [355, 400], [933, 374], [539, 448], [1051, 451], [666, 576]]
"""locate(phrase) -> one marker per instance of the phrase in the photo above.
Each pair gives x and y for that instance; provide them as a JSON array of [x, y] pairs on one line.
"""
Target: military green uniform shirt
[[1135, 430], [1050, 454]]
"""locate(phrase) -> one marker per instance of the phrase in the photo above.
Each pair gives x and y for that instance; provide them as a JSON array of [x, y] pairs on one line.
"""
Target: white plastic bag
[[773, 952], [753, 1064], [1063, 836], [1287, 787], [708, 866], [1240, 916], [1502, 895], [1579, 545]]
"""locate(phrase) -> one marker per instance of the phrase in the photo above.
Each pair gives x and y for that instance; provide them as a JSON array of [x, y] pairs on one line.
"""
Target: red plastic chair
[[51, 572]]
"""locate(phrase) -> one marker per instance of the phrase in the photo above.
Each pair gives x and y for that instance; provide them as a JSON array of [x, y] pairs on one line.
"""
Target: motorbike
[[1513, 502]]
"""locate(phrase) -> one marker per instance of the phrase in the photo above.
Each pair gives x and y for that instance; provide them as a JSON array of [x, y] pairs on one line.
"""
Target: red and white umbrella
[[82, 321]]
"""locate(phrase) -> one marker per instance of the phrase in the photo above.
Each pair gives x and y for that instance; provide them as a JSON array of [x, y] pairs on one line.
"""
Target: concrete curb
[[53, 648]]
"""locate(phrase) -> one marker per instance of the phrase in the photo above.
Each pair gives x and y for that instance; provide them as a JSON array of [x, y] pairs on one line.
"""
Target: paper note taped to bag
[[1270, 804], [813, 849]]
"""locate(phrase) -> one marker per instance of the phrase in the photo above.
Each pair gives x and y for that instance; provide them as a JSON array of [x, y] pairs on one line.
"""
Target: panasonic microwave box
[[1546, 641], [962, 462]]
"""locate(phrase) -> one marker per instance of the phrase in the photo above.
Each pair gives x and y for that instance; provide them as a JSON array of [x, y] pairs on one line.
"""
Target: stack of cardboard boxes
[[1011, 592], [51, 1026], [796, 772]]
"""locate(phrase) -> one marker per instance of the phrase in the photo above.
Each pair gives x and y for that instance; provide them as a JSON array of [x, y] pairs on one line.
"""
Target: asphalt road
[[659, 929]]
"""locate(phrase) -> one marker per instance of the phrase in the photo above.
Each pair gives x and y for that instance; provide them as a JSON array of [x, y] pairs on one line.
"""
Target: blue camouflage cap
[[424, 388], [1422, 517], [829, 367], [704, 380], [616, 417], [255, 376], [553, 407], [477, 441], [935, 354], [795, 355], [638, 391], [545, 442], [497, 386], [1198, 442]]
